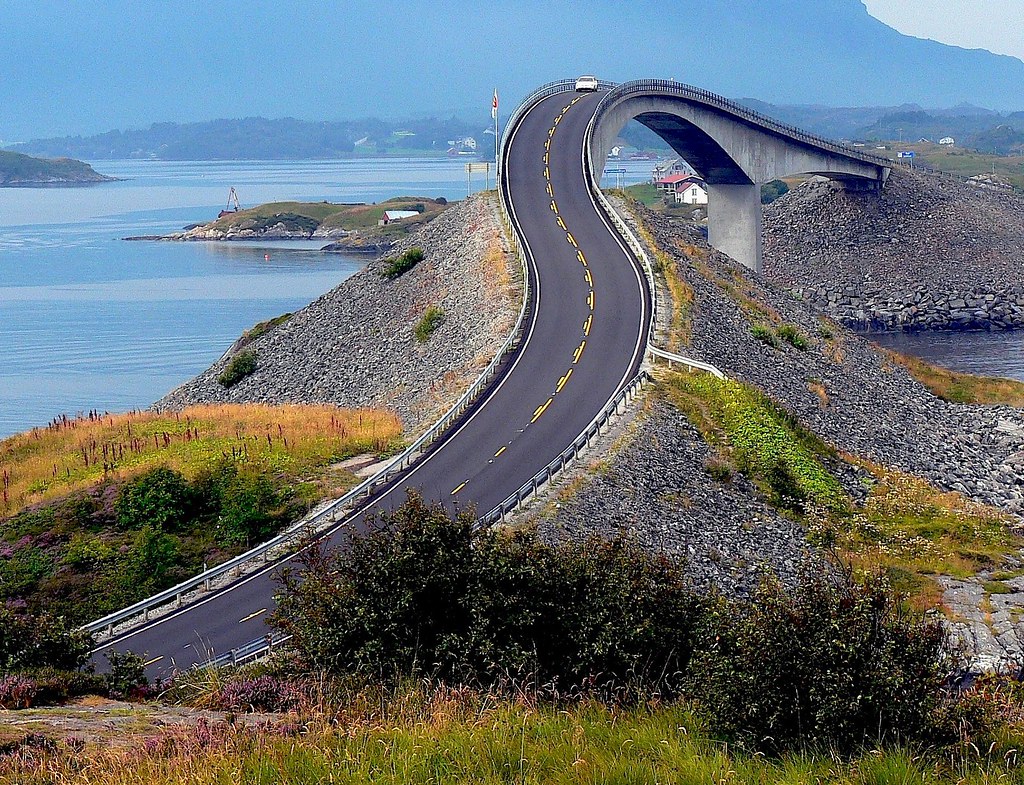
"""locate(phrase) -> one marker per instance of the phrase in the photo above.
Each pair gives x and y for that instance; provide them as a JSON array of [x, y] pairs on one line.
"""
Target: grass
[[74, 454], [915, 533], [646, 193], [458, 736], [969, 162], [432, 319], [241, 365], [960, 387]]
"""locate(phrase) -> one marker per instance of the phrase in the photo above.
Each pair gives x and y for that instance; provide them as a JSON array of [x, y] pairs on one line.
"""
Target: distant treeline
[[257, 138]]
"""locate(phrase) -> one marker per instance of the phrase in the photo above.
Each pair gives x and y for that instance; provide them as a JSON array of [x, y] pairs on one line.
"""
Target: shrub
[[792, 335], [262, 693], [17, 692], [246, 502], [425, 594], [834, 663], [433, 318], [58, 686], [397, 265], [765, 335], [242, 364], [161, 498], [127, 675], [40, 640], [773, 190], [718, 469]]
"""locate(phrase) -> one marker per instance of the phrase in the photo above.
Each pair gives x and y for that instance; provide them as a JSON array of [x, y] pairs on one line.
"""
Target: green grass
[[645, 193], [957, 387], [16, 168], [459, 737], [349, 217], [432, 319], [969, 162], [760, 439], [241, 365]]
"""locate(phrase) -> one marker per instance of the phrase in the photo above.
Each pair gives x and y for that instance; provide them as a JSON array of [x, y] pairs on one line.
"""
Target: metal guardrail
[[564, 459], [678, 359], [327, 516]]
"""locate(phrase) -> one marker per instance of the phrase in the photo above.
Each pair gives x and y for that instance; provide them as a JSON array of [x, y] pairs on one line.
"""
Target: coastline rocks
[[355, 345], [929, 253]]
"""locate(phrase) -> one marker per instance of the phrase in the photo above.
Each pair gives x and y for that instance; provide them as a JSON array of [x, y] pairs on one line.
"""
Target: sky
[[996, 25], [90, 66]]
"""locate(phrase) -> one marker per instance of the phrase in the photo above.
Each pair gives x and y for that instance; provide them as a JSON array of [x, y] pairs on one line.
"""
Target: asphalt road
[[587, 328]]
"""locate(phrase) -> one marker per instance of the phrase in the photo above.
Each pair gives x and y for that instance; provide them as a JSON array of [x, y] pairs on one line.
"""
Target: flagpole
[[495, 107]]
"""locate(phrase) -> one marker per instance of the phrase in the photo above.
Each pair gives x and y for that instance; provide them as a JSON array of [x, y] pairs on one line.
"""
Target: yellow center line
[[586, 275], [578, 353], [460, 488], [571, 239], [561, 223], [499, 452], [547, 173], [582, 258], [554, 207], [547, 143], [587, 324], [253, 615], [550, 192], [155, 659], [546, 156], [558, 119], [551, 132], [562, 381], [590, 299], [541, 410]]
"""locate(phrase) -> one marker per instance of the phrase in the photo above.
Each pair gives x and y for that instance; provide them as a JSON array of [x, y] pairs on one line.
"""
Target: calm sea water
[[988, 354], [89, 321]]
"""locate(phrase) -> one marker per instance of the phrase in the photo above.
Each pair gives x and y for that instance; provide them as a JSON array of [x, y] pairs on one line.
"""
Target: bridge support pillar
[[735, 221]]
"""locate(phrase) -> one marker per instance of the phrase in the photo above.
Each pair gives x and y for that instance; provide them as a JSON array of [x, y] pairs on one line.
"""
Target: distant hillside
[[17, 169], [257, 138]]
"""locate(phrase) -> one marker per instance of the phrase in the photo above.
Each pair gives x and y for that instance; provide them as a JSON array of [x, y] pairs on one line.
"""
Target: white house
[[395, 215], [947, 141], [692, 192]]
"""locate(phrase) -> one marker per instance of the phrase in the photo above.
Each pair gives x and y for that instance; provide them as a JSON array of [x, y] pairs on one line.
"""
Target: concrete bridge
[[735, 149]]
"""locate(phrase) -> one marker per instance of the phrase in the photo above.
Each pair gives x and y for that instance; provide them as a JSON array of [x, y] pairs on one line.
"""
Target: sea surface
[[90, 321]]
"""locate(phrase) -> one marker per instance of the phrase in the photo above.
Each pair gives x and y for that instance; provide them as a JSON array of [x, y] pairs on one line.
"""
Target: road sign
[[614, 171], [476, 168], [905, 154]]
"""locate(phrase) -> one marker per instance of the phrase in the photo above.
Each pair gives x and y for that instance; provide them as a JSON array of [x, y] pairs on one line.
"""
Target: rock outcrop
[[931, 252]]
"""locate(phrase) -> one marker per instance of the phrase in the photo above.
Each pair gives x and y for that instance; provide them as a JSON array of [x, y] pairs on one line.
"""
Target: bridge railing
[[707, 98]]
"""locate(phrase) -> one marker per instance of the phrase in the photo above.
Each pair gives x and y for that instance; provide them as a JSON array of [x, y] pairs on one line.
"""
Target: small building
[[390, 216], [693, 192], [947, 141], [667, 185], [671, 167]]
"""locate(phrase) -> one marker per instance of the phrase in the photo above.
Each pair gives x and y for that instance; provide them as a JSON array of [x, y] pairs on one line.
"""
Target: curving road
[[585, 335]]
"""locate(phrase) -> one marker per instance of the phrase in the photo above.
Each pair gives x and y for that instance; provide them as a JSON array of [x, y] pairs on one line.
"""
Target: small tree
[[161, 498]]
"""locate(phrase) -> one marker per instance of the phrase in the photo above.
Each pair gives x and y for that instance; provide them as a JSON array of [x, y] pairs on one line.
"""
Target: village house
[[684, 189]]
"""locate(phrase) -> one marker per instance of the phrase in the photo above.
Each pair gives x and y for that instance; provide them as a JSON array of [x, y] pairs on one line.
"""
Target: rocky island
[[369, 228], [24, 170]]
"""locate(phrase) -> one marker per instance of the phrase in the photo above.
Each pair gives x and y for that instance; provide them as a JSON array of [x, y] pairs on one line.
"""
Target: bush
[[433, 318], [161, 498], [17, 692], [773, 190], [764, 335], [397, 265], [40, 640], [833, 664], [59, 686], [127, 675], [792, 335], [242, 364], [425, 594], [247, 504], [262, 693]]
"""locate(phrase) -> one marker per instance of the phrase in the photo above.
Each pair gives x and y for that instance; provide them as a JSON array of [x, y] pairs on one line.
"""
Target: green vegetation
[[18, 169], [773, 190], [760, 440], [98, 512], [433, 318], [397, 265], [967, 162], [765, 335], [961, 387], [645, 193], [791, 334], [241, 365]]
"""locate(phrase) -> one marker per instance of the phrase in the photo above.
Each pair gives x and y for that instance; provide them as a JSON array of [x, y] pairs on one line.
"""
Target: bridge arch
[[735, 149]]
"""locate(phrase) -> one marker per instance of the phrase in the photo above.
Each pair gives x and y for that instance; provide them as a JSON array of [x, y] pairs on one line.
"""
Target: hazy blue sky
[[996, 25], [87, 66]]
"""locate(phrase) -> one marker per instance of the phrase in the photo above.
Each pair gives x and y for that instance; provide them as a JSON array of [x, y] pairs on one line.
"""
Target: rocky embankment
[[930, 253], [853, 396], [356, 345]]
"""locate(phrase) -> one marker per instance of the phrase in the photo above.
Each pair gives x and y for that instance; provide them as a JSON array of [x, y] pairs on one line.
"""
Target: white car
[[586, 84]]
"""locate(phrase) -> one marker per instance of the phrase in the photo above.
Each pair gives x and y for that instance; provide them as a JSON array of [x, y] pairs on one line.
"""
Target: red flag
[[494, 105]]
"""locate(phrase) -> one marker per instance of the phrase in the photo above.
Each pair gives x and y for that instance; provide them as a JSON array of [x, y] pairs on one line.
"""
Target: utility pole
[[494, 116]]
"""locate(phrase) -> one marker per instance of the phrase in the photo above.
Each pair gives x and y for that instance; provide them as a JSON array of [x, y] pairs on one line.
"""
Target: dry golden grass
[[74, 454], [960, 387]]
